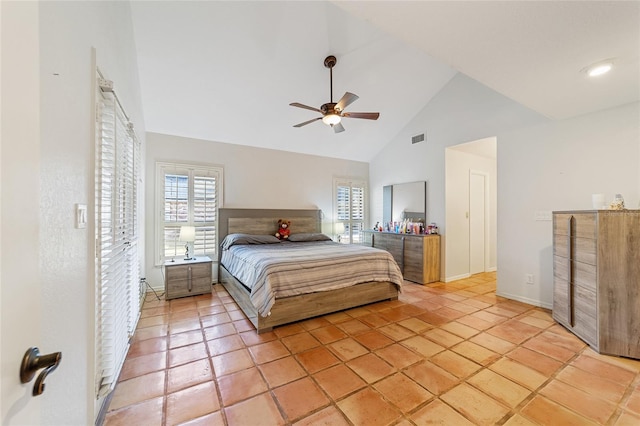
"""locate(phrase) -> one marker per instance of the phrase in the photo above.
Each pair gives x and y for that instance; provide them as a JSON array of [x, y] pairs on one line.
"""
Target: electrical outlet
[[529, 278]]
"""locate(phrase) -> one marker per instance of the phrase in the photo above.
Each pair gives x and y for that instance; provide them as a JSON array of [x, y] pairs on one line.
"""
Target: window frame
[[348, 236], [192, 170]]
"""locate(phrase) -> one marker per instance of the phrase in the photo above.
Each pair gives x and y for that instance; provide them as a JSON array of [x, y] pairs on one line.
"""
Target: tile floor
[[452, 354]]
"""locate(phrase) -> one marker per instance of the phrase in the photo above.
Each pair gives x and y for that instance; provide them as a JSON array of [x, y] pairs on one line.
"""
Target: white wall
[[458, 166], [557, 166], [542, 166], [64, 164], [462, 111], [253, 178]]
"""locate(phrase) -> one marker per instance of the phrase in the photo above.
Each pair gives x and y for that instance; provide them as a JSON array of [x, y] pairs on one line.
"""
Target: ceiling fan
[[332, 113]]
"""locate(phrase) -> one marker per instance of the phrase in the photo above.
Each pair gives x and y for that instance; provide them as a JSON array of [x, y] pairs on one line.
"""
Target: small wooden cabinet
[[596, 278], [187, 277], [418, 256]]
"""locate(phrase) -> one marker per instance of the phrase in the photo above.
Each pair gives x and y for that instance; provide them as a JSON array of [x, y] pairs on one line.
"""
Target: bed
[[273, 307]]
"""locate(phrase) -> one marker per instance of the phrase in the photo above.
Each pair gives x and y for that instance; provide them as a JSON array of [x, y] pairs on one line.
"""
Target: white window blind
[[349, 208], [117, 263], [188, 195]]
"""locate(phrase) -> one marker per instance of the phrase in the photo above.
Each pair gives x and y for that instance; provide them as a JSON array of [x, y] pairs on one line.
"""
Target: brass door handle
[[32, 362]]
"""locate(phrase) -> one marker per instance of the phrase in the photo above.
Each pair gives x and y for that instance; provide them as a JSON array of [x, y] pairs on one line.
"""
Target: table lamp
[[188, 235]]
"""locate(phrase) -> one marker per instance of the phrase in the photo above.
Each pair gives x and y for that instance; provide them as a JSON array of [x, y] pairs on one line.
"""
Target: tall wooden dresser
[[596, 276], [418, 256]]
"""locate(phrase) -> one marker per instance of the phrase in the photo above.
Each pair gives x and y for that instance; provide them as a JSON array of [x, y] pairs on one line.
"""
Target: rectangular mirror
[[404, 201]]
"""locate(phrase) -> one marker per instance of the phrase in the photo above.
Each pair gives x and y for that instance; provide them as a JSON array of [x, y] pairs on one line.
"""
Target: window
[[188, 195], [117, 164], [349, 209]]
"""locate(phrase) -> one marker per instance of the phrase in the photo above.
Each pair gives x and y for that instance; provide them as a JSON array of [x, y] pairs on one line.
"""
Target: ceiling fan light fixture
[[331, 119]]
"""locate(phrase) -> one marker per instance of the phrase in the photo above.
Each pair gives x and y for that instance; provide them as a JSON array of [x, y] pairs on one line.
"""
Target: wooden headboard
[[265, 221]]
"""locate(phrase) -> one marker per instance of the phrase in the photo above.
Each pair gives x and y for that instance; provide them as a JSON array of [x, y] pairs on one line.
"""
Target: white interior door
[[21, 303], [477, 222]]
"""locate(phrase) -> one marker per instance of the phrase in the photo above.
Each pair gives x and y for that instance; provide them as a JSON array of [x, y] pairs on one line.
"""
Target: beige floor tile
[[300, 398], [282, 371], [187, 375], [544, 412], [138, 389], [367, 407], [475, 405], [422, 346], [500, 388], [211, 419], [231, 362], [475, 352], [241, 385], [439, 413], [185, 354], [300, 342], [594, 385], [455, 364], [370, 367], [431, 377], [416, 325], [147, 412], [317, 359], [225, 344], [460, 329], [329, 416], [338, 381], [591, 407], [518, 373], [373, 340], [191, 403], [328, 334], [347, 349], [144, 364], [270, 351], [403, 392], [398, 356], [261, 410], [535, 360], [493, 343]]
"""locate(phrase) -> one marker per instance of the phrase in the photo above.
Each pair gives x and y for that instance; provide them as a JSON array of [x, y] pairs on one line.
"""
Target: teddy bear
[[283, 229]]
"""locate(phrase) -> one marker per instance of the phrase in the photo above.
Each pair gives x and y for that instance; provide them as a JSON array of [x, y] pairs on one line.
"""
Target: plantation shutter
[[117, 263], [350, 209], [189, 196]]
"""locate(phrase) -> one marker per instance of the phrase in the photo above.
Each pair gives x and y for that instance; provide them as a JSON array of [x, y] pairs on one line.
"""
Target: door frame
[[487, 212]]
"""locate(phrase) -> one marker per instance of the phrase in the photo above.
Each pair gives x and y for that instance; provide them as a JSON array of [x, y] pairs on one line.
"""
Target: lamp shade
[[187, 234], [338, 228]]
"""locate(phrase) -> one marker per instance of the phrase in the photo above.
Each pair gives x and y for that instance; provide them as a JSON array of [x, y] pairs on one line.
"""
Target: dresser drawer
[[182, 271], [583, 225], [584, 274], [584, 249]]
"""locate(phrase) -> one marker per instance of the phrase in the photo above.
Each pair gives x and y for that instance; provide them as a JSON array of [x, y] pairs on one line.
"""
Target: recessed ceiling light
[[599, 68]]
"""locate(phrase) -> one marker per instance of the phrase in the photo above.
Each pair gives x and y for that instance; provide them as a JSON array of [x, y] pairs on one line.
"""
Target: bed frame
[[294, 308]]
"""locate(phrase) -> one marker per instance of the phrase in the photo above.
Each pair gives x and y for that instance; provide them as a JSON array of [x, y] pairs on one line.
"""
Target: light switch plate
[[81, 216]]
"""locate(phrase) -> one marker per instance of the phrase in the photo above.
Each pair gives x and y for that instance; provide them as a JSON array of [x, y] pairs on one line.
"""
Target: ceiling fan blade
[[299, 105], [346, 100], [307, 122], [365, 115], [337, 128]]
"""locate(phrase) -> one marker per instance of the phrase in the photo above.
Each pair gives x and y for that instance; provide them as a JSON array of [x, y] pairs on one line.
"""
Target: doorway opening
[[471, 203]]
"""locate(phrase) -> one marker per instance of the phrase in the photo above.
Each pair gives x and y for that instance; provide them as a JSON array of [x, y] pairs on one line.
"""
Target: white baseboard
[[526, 300], [456, 277], [492, 269]]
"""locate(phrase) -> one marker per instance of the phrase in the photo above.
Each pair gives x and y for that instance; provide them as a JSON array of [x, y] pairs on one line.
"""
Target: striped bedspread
[[279, 270]]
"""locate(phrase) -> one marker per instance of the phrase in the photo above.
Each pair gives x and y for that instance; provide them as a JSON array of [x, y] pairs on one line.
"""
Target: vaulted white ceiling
[[227, 71]]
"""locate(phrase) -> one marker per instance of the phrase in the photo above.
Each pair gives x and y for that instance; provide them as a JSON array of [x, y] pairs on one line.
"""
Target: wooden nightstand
[[187, 277]]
